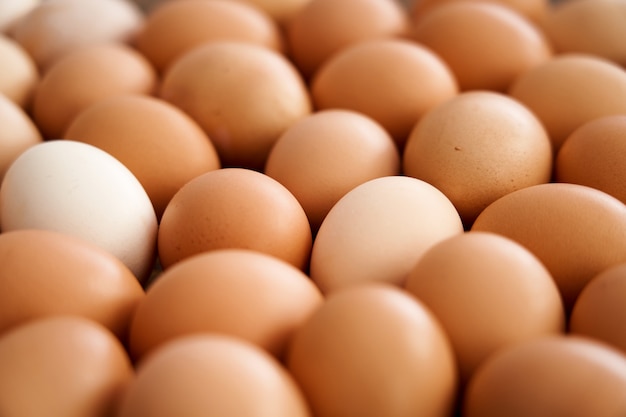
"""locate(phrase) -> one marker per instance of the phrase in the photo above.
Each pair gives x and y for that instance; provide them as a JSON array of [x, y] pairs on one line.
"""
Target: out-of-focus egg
[[488, 292], [390, 80], [62, 366], [84, 77], [378, 230], [373, 350], [478, 147], [569, 90], [244, 96], [547, 377], [17, 133], [212, 375], [19, 75], [241, 293], [48, 273], [78, 189], [175, 27], [160, 144], [234, 208], [534, 10], [57, 27], [325, 155], [11, 11], [600, 311], [324, 27], [594, 155], [596, 27], [279, 10], [486, 45], [574, 230]]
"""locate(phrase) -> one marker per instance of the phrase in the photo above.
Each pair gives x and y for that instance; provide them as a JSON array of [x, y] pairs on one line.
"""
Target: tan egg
[[11, 11], [234, 208], [379, 230], [19, 75], [373, 350], [47, 273], [600, 311], [486, 45], [17, 134], [478, 147], [162, 146], [390, 80], [324, 27], [72, 366], [488, 292], [244, 96], [547, 377], [212, 375], [574, 230], [593, 155], [571, 89], [236, 292], [533, 10], [325, 155], [596, 27], [84, 77], [57, 27], [173, 28]]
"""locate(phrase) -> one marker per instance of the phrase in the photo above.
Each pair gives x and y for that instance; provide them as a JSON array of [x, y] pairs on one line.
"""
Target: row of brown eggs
[[312, 208]]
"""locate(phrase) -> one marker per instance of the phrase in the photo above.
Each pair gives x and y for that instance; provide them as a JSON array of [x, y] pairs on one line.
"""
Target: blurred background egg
[[533, 10], [19, 75], [11, 11]]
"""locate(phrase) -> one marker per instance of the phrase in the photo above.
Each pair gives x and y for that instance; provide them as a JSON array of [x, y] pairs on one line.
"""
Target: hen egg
[[281, 11], [19, 75], [11, 11], [533, 10]]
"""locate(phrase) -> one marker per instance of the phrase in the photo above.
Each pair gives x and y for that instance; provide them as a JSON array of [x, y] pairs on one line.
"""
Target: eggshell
[[486, 45], [533, 10], [234, 208], [78, 189], [56, 27], [373, 350], [48, 273], [11, 11], [211, 375], [551, 376], [478, 147], [325, 155], [61, 366], [244, 96], [571, 89], [390, 80], [242, 293], [19, 75], [160, 144], [574, 230], [173, 28], [323, 27], [84, 77], [378, 230], [494, 293]]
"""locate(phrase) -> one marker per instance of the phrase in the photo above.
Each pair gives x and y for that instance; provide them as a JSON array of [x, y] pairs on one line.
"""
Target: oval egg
[[19, 76]]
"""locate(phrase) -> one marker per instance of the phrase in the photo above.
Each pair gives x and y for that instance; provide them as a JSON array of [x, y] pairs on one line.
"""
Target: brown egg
[[392, 81], [212, 375], [19, 75], [378, 230], [571, 89], [534, 10], [48, 273], [162, 146], [324, 27], [173, 28], [594, 154], [488, 292], [280, 10], [574, 230], [325, 155], [244, 96], [61, 366], [373, 350], [600, 311], [547, 377], [486, 45], [596, 27], [57, 27], [234, 208], [478, 147], [84, 77]]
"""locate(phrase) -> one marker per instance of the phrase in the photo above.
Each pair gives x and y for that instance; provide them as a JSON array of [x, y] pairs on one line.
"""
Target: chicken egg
[[19, 76]]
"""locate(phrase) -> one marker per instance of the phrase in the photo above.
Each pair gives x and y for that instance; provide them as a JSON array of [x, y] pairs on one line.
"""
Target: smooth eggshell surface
[[19, 76]]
